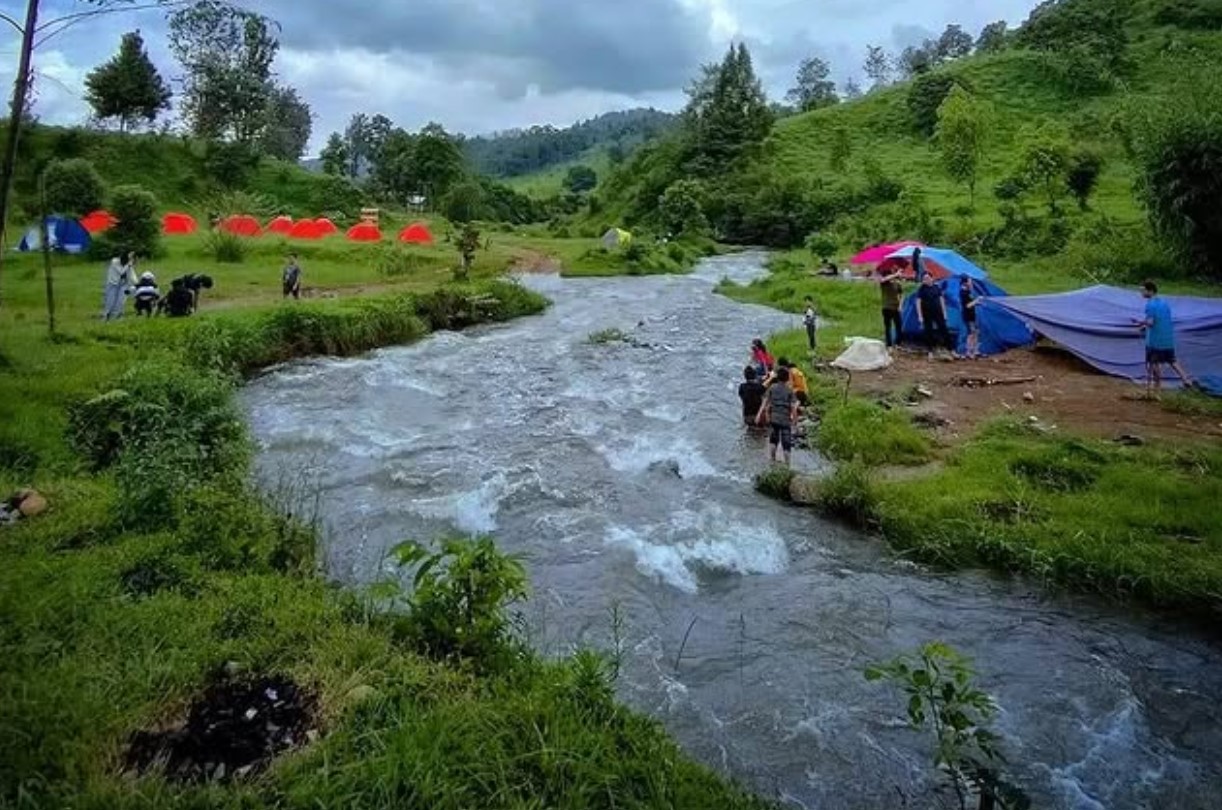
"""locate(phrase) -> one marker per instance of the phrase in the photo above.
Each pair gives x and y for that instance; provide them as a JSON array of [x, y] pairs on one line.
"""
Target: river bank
[[162, 588], [1068, 477], [612, 462]]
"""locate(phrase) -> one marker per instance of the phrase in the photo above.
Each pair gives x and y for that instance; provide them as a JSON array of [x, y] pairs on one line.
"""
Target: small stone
[[30, 503], [1028, 397], [250, 714], [231, 668], [925, 392], [1129, 440], [312, 735]]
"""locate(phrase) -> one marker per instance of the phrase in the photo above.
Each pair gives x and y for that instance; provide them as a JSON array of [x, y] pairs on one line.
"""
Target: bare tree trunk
[[46, 254], [21, 87]]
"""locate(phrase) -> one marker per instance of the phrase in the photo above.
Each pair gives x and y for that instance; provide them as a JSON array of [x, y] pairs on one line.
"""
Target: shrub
[[847, 494], [464, 202], [775, 482], [1179, 157], [1105, 252], [138, 228], [1201, 14], [681, 208], [460, 599], [230, 164], [226, 247], [73, 187], [395, 261], [926, 95], [863, 431]]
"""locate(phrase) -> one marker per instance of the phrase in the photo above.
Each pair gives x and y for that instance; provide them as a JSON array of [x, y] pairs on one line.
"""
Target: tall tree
[[852, 90], [437, 162], [335, 155], [961, 132], [954, 43], [727, 117], [227, 54], [356, 140], [917, 60], [993, 37], [877, 67], [813, 89], [128, 87], [288, 125], [580, 178]]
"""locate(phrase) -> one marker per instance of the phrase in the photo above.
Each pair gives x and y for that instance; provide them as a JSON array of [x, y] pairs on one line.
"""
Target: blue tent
[[64, 233], [999, 329], [943, 263]]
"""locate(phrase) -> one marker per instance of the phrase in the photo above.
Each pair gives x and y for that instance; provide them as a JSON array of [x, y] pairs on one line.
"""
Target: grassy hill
[[549, 182], [181, 172]]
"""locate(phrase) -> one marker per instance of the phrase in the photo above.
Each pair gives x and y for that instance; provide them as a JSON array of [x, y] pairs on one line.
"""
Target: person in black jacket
[[931, 312], [180, 301]]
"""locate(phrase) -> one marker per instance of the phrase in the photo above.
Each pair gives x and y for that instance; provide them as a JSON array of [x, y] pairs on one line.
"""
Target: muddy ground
[[1056, 388]]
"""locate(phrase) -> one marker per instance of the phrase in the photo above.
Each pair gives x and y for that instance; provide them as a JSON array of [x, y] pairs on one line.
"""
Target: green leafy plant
[[775, 483], [138, 227], [73, 187], [942, 697], [604, 336], [458, 605], [225, 247]]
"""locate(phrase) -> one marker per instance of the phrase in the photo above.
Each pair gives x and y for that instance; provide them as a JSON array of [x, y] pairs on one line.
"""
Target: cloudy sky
[[477, 66]]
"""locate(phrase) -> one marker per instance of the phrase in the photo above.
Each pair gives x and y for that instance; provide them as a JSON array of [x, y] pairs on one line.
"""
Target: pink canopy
[[878, 253]]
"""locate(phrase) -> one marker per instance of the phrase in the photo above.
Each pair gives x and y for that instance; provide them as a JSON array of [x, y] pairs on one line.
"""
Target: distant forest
[[522, 151]]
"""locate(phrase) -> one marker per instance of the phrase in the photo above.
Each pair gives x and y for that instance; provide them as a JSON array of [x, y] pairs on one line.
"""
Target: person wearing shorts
[[781, 408], [1159, 328]]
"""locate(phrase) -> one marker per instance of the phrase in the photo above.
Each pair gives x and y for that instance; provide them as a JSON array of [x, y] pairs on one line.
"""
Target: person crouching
[[146, 295]]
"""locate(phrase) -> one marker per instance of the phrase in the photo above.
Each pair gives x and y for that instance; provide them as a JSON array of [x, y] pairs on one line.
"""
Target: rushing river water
[[621, 476]]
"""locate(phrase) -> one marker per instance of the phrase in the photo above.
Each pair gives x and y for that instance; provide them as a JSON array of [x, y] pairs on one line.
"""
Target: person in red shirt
[[760, 357]]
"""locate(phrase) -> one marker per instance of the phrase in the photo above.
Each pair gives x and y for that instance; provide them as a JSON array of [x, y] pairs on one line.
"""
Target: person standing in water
[[114, 290], [761, 358], [781, 408], [292, 278], [811, 322], [751, 392]]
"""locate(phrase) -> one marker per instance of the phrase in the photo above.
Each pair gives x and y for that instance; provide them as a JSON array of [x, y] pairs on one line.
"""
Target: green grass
[[145, 578], [549, 182], [1128, 521]]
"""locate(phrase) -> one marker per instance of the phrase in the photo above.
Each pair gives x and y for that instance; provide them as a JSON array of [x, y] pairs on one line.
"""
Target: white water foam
[[645, 451], [723, 546], [473, 511]]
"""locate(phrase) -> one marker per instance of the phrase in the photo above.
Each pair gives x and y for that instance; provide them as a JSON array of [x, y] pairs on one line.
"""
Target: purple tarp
[[1097, 325]]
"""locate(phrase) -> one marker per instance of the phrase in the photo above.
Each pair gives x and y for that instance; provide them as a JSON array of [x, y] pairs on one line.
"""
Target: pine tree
[[728, 114], [128, 87]]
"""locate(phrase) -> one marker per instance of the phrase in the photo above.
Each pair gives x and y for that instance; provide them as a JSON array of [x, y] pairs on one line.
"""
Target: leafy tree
[[463, 202], [993, 37], [842, 149], [1044, 163], [813, 89], [918, 60], [393, 172], [437, 162], [230, 164], [1178, 148], [288, 125], [335, 155], [961, 133], [580, 179], [1082, 175], [1093, 27], [138, 227], [852, 90], [128, 87], [926, 96], [877, 67], [681, 208], [227, 53], [727, 116], [954, 43], [73, 187], [356, 141], [1200, 14], [468, 244]]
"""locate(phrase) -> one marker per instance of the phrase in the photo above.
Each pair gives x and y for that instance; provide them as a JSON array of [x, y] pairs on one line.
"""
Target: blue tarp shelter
[[64, 233], [1097, 325]]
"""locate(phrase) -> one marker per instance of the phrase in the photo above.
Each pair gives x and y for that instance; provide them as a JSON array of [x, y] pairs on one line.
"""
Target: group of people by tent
[[955, 307]]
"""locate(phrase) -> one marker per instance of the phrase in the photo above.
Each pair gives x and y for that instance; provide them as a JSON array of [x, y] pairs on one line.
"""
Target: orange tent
[[281, 225], [325, 226], [364, 232], [241, 225], [178, 223], [305, 229], [99, 221], [417, 234]]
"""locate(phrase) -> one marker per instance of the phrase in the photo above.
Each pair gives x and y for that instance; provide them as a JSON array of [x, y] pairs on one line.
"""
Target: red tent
[[241, 225], [305, 229], [417, 234], [99, 221], [281, 225], [364, 232], [173, 223], [325, 226]]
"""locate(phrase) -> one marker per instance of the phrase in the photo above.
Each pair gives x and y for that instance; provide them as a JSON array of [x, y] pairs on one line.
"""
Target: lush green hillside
[[182, 173], [550, 182]]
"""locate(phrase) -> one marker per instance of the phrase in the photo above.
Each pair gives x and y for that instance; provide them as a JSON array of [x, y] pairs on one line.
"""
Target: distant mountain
[[518, 152]]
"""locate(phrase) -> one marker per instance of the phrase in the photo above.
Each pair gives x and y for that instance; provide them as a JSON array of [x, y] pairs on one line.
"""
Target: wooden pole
[[46, 253], [21, 89]]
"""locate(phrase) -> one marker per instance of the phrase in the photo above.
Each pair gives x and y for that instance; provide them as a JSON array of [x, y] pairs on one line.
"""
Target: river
[[620, 474]]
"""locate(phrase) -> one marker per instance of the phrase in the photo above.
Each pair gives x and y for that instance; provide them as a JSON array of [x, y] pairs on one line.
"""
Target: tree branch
[[69, 20], [16, 25]]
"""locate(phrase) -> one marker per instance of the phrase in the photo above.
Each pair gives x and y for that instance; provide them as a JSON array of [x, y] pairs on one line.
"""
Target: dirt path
[[1059, 390]]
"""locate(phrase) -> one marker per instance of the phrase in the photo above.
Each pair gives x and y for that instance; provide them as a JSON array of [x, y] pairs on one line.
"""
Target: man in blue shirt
[[1159, 329]]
